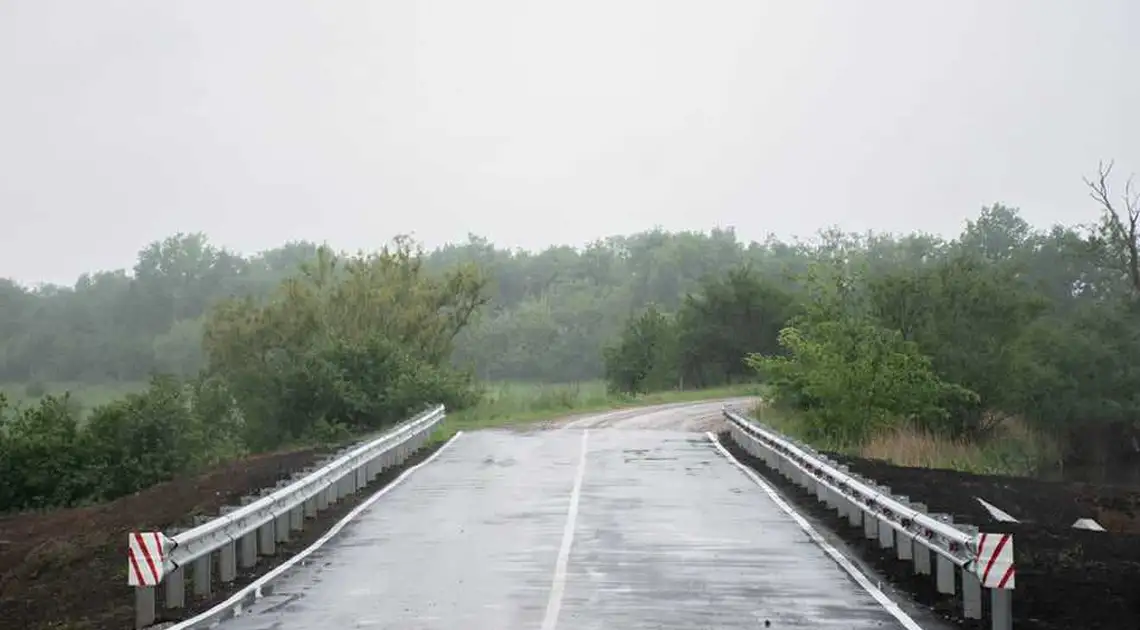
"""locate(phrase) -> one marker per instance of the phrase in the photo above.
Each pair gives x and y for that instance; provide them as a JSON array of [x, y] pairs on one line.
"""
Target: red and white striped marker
[[147, 558], [994, 562]]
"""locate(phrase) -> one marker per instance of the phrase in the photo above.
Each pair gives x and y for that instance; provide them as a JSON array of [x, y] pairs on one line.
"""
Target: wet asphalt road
[[575, 529]]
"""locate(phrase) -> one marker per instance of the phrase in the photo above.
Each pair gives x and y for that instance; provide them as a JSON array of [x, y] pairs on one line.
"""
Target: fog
[[534, 123]]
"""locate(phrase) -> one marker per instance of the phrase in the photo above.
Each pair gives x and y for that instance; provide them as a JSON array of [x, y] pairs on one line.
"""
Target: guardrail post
[[297, 518], [202, 575], [854, 512], [944, 577], [886, 534], [870, 525], [311, 507], [248, 546], [266, 540], [971, 595], [323, 499], [227, 563], [904, 544], [1001, 608], [971, 586], [921, 552], [281, 526], [174, 585], [144, 606]]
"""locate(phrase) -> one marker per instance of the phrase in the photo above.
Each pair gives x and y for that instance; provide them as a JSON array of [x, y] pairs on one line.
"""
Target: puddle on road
[[501, 463]]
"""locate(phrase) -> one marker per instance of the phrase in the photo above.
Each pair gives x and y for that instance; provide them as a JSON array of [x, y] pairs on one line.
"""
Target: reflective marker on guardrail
[[994, 565], [148, 554]]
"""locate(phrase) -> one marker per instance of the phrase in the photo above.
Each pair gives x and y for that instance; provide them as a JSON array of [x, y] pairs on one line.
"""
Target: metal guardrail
[[894, 521], [240, 535]]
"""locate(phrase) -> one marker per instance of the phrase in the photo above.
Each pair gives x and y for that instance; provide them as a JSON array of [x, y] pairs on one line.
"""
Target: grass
[[508, 404], [503, 404], [1012, 449]]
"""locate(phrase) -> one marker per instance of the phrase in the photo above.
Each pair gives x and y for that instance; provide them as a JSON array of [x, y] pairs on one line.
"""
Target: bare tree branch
[[1122, 232]]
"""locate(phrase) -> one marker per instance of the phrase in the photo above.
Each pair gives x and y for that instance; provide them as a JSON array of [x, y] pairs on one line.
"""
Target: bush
[[853, 379], [145, 439], [48, 459], [42, 460], [363, 345]]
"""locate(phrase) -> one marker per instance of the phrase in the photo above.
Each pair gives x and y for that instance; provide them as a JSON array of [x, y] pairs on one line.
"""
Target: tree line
[[346, 346], [865, 334], [548, 314], [858, 332]]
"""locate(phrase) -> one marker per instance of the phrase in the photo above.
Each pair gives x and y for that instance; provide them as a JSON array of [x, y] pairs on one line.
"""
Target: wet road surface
[[699, 416], [572, 529]]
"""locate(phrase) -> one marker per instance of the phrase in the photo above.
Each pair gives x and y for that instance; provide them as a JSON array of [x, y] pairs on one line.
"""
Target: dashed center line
[[558, 586]]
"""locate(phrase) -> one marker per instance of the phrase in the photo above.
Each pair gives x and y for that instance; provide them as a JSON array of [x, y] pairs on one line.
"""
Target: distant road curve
[[698, 416]]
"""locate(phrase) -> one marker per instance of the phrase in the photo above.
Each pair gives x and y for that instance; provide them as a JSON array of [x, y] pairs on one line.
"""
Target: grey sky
[[536, 122]]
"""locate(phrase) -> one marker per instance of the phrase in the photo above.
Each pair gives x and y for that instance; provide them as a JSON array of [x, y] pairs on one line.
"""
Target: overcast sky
[[536, 122]]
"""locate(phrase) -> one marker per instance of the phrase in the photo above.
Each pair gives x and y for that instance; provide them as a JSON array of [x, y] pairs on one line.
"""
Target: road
[[593, 525]]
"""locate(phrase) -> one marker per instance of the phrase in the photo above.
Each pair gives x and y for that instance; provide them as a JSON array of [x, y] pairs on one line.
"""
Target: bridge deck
[[665, 534]]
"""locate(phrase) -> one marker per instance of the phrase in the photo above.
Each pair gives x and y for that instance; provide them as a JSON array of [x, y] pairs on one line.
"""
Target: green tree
[[731, 316], [338, 344], [644, 358]]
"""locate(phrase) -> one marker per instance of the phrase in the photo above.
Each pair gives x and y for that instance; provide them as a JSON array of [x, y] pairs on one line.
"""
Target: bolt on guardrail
[[235, 539], [982, 560]]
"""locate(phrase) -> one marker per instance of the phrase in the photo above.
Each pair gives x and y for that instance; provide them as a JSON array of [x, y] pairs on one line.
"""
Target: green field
[[503, 404], [513, 403], [87, 395]]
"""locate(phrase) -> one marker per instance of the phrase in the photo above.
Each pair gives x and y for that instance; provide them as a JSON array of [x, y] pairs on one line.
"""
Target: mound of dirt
[[1049, 504], [67, 568], [1066, 578]]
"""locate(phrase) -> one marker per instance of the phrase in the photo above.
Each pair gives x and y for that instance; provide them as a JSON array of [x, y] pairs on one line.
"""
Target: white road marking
[[237, 601], [875, 592], [558, 586], [997, 513]]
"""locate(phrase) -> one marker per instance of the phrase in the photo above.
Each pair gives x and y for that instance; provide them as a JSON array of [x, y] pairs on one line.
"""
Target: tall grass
[[1012, 448]]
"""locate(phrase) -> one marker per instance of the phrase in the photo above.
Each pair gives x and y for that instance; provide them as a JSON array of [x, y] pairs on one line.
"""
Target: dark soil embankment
[[1066, 578]]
